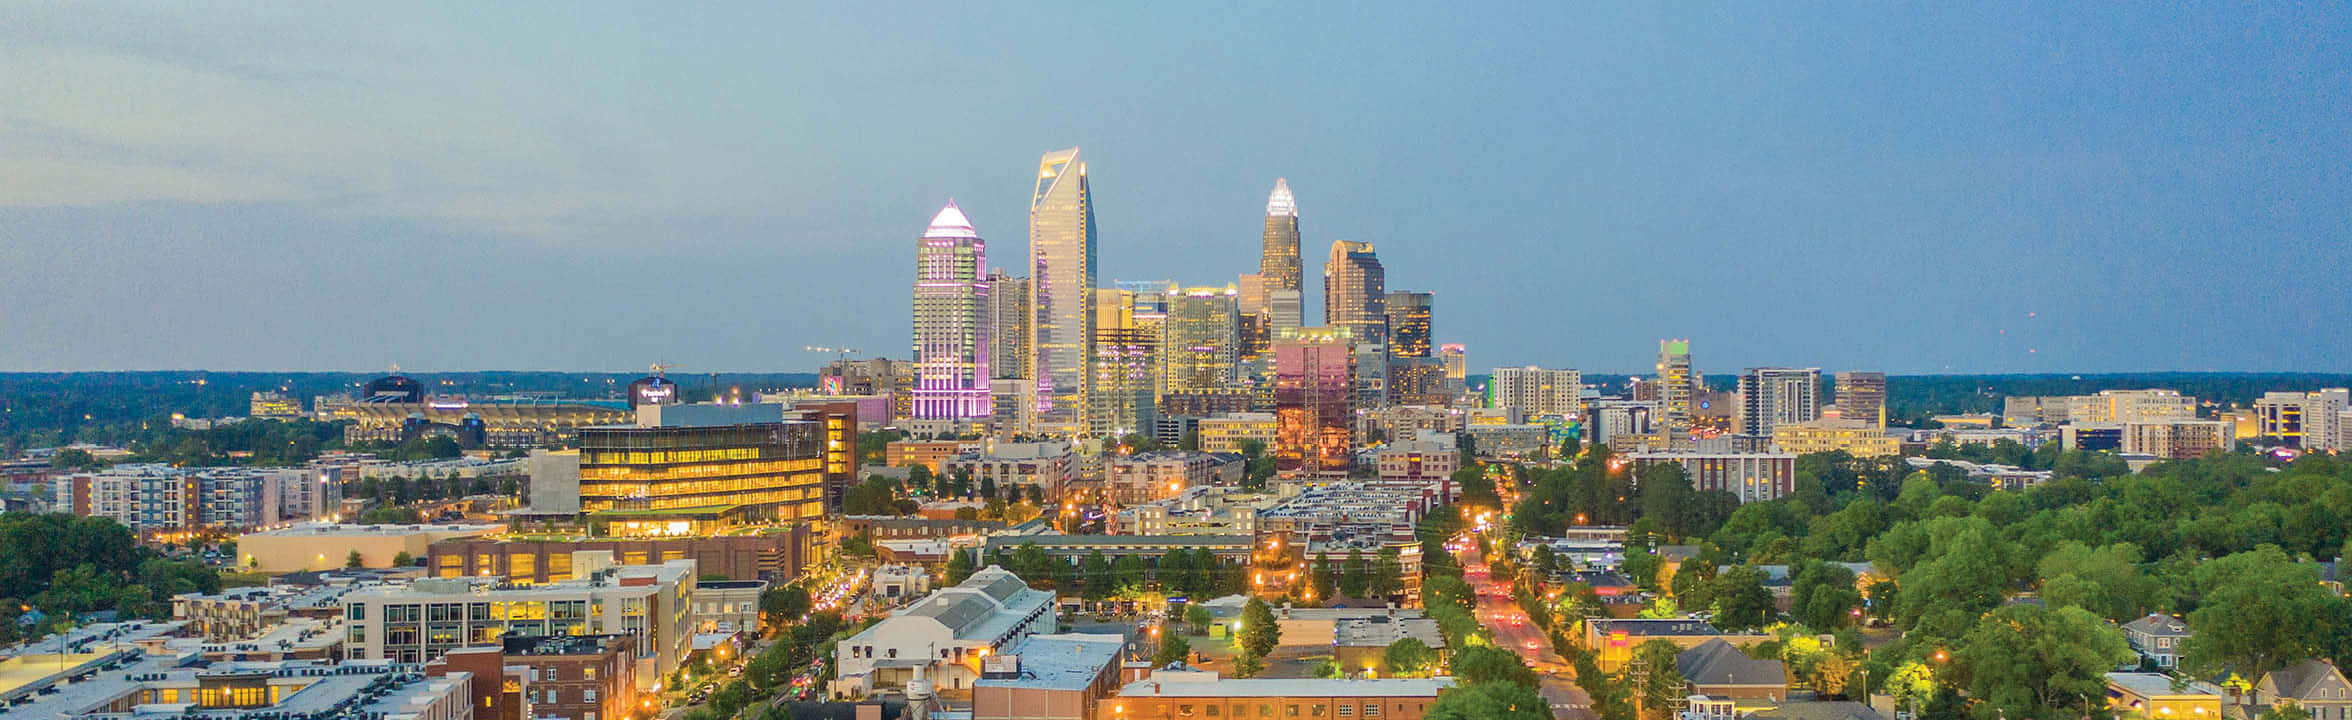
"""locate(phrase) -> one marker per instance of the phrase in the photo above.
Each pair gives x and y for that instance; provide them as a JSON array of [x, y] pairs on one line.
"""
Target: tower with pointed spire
[[1276, 286], [951, 328]]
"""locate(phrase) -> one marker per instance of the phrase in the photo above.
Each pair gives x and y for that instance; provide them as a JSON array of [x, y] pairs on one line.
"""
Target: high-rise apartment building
[[1409, 323], [1126, 366], [1199, 340], [1279, 267], [1314, 411], [1771, 397], [1676, 384], [1061, 292], [1354, 292], [951, 319], [1535, 391], [1008, 325], [1861, 396]]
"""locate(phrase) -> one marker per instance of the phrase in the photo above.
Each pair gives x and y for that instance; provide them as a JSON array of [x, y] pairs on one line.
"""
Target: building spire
[[950, 223], [1280, 203]]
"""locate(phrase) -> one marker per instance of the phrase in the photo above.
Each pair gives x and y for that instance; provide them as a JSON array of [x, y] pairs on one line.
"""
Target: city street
[[1512, 630]]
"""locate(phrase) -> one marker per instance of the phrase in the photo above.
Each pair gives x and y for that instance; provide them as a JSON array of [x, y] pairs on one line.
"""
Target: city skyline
[[1917, 209]]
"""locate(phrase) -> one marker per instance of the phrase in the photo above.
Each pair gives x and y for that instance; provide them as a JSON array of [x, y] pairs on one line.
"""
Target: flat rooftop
[[1302, 687]]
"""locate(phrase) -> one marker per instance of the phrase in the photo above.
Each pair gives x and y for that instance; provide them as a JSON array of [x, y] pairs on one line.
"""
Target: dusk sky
[[1908, 187]]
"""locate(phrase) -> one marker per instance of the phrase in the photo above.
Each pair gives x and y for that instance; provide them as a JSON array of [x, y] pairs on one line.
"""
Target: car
[[1533, 645]]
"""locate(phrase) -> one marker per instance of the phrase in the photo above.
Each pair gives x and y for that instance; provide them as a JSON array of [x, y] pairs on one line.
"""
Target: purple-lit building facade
[[1314, 408], [951, 320]]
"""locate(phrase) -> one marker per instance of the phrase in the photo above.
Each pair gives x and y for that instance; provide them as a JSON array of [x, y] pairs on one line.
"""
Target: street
[[1556, 678]]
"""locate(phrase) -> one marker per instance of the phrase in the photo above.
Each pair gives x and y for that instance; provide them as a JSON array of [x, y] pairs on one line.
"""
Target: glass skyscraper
[[1354, 292], [1314, 401], [1409, 323], [1061, 292], [951, 344]]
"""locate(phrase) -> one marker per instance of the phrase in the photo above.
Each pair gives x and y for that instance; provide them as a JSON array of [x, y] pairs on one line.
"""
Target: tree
[[1324, 576], [1248, 665], [1355, 575], [2030, 661], [1477, 664], [2260, 611], [1260, 632], [1490, 701], [1095, 572], [1641, 566], [1173, 648], [402, 559], [1408, 657], [1190, 441], [1388, 574], [1660, 683], [1822, 596], [2288, 710], [1741, 602], [988, 488], [960, 566], [2106, 581], [353, 560]]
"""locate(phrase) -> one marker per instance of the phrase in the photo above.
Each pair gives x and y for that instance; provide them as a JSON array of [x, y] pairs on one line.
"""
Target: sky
[[1907, 187]]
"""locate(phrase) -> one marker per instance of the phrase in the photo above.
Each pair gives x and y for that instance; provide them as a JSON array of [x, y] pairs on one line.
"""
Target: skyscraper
[[1772, 397], [1280, 264], [1862, 396], [951, 345], [1409, 323], [1255, 332], [1314, 413], [1061, 292], [1354, 294], [1675, 385], [1199, 339], [1457, 367], [1008, 325], [1126, 362]]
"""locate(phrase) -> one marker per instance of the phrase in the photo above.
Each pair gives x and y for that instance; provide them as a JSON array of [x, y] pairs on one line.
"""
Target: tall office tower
[[1862, 396], [1061, 292], [1354, 295], [1284, 309], [1254, 330], [1457, 368], [1314, 416], [951, 319], [1008, 325], [1675, 385], [1126, 363], [1371, 376], [1535, 391], [1409, 323], [1199, 340], [1280, 264], [1772, 397]]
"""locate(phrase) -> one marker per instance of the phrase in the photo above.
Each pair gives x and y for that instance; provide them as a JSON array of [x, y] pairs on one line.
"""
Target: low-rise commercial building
[[1049, 677], [774, 554], [426, 619], [945, 636], [576, 677], [2156, 696], [1048, 466], [1189, 695], [1230, 433], [120, 683], [932, 454], [1360, 645], [329, 546], [1145, 477]]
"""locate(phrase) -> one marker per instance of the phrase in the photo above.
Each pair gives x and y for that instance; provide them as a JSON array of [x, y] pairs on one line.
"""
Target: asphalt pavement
[[1556, 679]]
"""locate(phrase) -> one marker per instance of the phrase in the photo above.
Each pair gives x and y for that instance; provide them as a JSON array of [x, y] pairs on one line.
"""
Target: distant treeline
[[41, 409], [1914, 397]]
